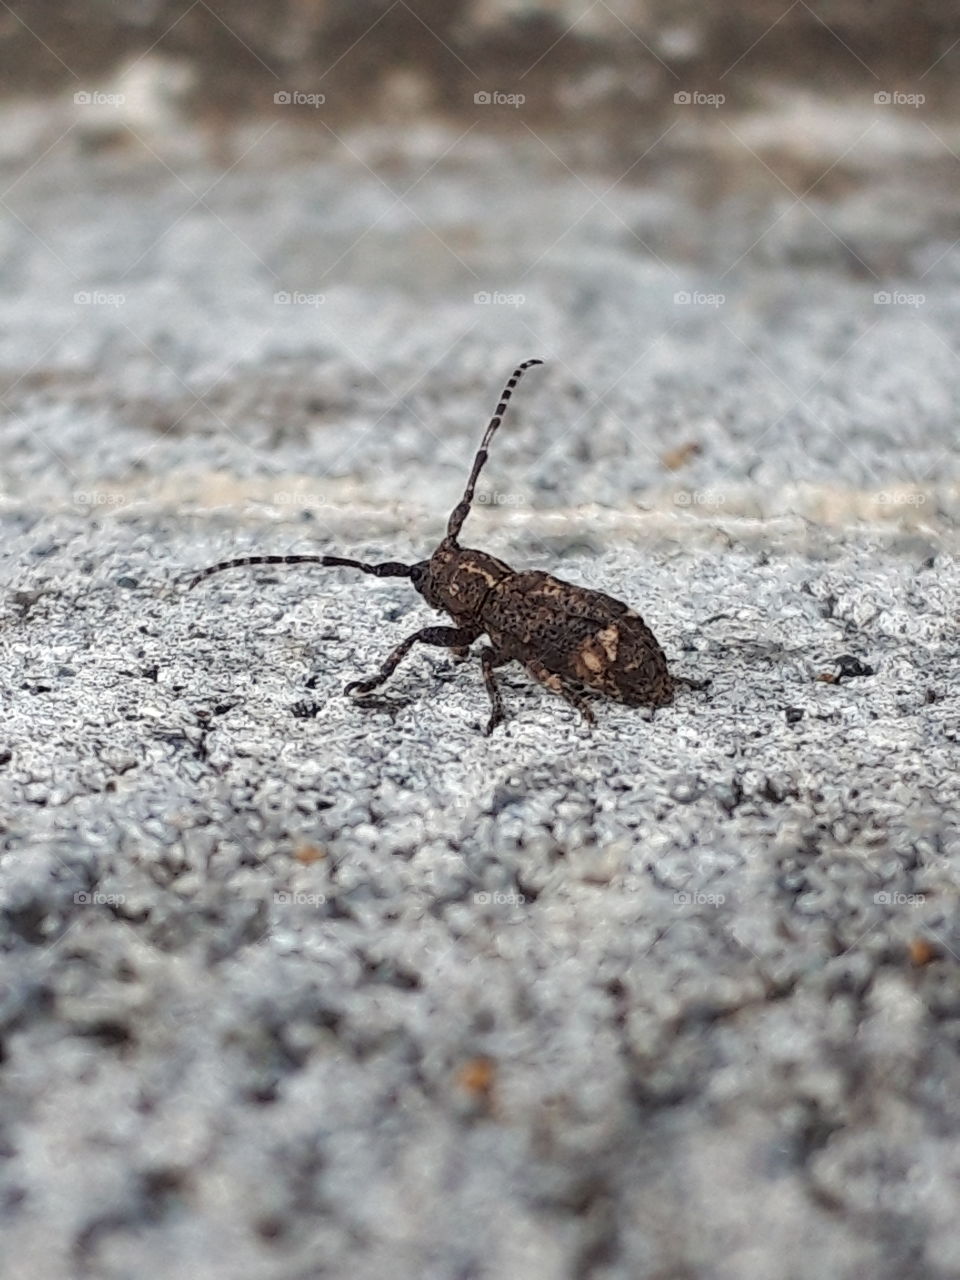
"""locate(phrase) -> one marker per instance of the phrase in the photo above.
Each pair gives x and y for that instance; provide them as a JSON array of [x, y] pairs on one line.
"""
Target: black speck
[[129, 583], [850, 666], [270, 1228], [793, 714]]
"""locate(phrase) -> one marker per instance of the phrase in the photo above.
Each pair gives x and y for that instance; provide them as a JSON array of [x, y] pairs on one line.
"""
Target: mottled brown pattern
[[568, 637], [584, 636]]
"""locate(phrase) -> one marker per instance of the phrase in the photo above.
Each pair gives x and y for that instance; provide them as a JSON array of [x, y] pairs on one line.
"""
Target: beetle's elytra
[[569, 638]]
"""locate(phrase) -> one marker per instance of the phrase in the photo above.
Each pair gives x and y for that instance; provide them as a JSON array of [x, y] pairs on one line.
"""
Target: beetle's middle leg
[[556, 684], [489, 658], [445, 637]]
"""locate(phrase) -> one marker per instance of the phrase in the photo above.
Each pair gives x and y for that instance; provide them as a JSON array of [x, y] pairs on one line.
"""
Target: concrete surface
[[295, 986]]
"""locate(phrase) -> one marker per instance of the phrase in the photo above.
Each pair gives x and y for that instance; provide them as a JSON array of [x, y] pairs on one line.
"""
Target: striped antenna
[[462, 509], [391, 569]]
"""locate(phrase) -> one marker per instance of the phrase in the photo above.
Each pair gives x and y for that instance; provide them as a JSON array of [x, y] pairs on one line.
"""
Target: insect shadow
[[567, 637]]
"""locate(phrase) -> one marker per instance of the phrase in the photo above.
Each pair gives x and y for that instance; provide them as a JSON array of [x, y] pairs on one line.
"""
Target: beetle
[[568, 637]]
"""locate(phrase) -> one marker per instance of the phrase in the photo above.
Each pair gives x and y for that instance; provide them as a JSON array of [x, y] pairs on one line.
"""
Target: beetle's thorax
[[458, 579]]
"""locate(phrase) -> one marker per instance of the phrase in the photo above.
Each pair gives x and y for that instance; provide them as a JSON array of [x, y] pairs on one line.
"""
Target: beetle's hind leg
[[689, 682], [556, 684]]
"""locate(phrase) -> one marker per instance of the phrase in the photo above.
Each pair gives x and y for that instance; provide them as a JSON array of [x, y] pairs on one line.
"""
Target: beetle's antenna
[[391, 569], [462, 509]]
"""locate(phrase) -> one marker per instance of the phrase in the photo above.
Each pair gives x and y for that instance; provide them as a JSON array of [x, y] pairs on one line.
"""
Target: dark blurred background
[[265, 222], [601, 80], [610, 55]]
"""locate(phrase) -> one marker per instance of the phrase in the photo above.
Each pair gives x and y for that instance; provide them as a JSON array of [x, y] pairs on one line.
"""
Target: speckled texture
[[295, 986]]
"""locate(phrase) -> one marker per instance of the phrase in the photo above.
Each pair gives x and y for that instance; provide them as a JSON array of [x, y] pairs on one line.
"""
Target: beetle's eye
[[418, 573]]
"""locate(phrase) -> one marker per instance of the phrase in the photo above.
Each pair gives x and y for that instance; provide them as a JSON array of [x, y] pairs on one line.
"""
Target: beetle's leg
[[489, 658], [448, 637], [556, 684], [689, 683]]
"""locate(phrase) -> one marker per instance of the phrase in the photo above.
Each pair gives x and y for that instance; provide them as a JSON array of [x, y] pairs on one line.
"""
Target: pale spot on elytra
[[609, 637]]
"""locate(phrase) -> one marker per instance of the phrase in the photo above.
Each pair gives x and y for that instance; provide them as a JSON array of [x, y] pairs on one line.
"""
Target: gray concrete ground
[[298, 986]]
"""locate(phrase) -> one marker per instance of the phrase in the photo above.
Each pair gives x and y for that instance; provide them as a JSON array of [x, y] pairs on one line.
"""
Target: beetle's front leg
[[446, 637]]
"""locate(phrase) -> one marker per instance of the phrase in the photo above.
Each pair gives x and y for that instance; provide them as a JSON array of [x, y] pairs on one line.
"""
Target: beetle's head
[[419, 576], [433, 578]]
